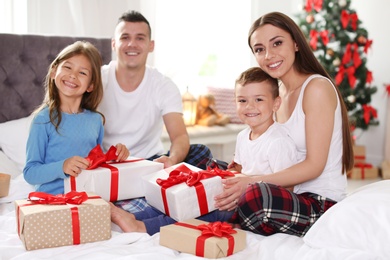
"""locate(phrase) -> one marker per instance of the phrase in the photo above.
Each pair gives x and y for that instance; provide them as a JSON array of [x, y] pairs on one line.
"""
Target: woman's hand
[[74, 165], [234, 187], [122, 152]]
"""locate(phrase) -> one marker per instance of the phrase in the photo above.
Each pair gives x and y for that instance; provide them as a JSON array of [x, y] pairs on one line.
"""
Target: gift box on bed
[[200, 238], [363, 171], [113, 180], [45, 221], [184, 191]]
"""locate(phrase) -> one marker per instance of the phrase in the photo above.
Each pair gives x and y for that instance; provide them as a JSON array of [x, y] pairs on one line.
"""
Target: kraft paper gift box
[[385, 170], [62, 223], [114, 181], [203, 239], [182, 201], [359, 153], [363, 171]]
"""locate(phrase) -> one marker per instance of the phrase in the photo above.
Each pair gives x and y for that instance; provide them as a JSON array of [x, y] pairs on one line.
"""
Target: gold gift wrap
[[45, 226], [364, 171], [185, 239]]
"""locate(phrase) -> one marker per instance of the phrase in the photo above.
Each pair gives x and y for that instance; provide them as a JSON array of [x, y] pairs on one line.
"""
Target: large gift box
[[113, 180], [359, 153], [45, 220], [363, 171], [184, 191], [385, 170], [210, 240]]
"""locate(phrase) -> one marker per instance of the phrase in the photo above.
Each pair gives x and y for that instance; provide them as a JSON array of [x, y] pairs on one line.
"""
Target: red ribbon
[[367, 45], [313, 4], [387, 87], [182, 174], [369, 77], [218, 229], [72, 197], [362, 166], [369, 111], [352, 54], [96, 157], [346, 17], [314, 38], [350, 72]]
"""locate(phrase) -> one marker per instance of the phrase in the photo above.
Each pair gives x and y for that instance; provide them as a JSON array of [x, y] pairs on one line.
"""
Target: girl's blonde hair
[[90, 100]]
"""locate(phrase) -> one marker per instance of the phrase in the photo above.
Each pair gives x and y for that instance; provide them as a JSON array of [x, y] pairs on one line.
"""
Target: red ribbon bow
[[218, 229], [388, 89], [367, 112], [183, 174], [350, 72], [369, 77], [313, 4], [352, 53], [96, 156], [314, 38], [72, 197], [367, 45], [346, 17]]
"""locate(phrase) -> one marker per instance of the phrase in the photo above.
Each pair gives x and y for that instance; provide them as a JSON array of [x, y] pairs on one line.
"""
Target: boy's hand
[[122, 152]]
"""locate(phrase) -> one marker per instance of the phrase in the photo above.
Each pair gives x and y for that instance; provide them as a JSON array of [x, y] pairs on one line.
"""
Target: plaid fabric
[[267, 209], [199, 155]]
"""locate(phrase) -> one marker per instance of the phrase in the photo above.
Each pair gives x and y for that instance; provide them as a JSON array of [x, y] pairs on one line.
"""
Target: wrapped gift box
[[188, 237], [363, 171], [385, 170], [115, 181], [359, 153], [181, 201], [45, 226]]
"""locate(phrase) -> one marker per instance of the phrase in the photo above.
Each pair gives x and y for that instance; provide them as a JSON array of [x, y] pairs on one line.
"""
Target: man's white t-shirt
[[135, 118]]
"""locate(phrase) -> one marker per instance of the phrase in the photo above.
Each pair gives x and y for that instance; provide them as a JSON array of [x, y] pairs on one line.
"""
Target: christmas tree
[[341, 44]]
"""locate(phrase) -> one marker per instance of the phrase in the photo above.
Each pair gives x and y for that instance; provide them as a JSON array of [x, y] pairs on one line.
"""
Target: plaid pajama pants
[[267, 209], [199, 155]]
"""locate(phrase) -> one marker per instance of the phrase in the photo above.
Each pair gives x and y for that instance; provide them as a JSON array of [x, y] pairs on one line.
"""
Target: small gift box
[[385, 170], [45, 221], [200, 238], [112, 180], [359, 153], [184, 191], [363, 171]]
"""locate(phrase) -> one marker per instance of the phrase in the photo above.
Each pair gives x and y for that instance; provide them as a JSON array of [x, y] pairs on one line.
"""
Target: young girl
[[67, 125], [314, 112]]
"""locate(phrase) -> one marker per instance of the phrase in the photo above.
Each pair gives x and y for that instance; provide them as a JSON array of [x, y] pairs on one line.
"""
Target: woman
[[313, 111]]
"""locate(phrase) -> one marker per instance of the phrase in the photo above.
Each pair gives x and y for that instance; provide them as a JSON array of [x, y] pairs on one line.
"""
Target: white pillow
[[13, 139], [360, 222], [8, 166]]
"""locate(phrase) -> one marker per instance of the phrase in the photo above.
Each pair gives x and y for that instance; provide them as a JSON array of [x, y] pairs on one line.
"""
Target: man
[[138, 100]]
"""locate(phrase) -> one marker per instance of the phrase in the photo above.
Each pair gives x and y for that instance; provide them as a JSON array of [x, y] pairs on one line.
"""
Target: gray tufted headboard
[[24, 62]]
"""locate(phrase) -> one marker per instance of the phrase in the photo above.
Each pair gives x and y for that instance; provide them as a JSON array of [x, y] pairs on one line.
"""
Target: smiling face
[[73, 77], [256, 104], [274, 50], [132, 44]]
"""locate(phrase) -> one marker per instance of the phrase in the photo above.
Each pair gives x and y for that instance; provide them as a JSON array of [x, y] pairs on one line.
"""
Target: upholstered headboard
[[24, 62]]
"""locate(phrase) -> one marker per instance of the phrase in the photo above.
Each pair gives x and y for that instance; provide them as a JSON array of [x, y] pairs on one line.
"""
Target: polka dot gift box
[[45, 221]]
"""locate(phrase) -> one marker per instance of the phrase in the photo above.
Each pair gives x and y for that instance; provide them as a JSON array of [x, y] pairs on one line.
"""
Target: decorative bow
[[217, 228], [314, 35], [183, 174], [367, 112], [350, 71], [388, 89], [72, 197], [369, 77], [367, 45], [96, 156], [313, 4], [346, 17], [352, 53]]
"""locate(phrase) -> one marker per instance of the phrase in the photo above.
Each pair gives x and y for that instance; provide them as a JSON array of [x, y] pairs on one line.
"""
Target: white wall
[[97, 18]]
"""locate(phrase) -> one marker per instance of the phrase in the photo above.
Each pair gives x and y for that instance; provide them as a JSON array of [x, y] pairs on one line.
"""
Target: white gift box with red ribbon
[[114, 181], [181, 201]]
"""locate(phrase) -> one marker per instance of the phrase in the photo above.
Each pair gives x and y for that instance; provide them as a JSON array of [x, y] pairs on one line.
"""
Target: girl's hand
[[74, 165], [122, 152], [234, 187]]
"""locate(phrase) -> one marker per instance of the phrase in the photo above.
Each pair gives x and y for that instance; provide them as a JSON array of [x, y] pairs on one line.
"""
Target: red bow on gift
[[183, 174], [72, 197], [96, 156], [217, 228], [346, 17]]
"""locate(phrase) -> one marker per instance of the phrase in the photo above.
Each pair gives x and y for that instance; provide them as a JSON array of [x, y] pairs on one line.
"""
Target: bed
[[356, 228]]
